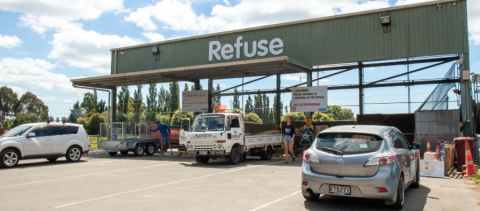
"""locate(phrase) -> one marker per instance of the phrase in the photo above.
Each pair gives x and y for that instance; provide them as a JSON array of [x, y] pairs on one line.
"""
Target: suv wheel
[[9, 158], [74, 153]]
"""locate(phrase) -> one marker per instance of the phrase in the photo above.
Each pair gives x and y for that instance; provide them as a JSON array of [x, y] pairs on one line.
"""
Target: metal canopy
[[257, 67]]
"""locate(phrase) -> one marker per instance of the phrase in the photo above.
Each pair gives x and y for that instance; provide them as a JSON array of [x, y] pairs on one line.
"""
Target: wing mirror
[[31, 135], [415, 146]]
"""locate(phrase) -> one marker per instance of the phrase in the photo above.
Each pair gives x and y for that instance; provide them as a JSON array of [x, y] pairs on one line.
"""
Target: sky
[[45, 43]]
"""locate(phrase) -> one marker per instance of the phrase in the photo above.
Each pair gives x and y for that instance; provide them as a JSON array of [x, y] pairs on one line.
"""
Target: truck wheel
[[9, 158], [150, 149], [267, 154], [234, 157], [203, 160], [113, 153], [139, 150], [124, 152]]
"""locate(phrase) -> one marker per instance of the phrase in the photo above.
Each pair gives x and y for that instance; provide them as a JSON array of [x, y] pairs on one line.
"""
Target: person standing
[[165, 131], [288, 135]]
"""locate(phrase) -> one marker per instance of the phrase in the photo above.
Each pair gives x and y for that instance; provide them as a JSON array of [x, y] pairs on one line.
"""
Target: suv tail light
[[384, 160], [309, 157]]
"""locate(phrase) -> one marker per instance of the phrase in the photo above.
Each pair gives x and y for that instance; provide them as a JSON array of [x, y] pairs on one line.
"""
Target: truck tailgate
[[261, 140]]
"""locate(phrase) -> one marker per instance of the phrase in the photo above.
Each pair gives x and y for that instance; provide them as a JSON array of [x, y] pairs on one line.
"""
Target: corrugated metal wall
[[420, 31], [436, 125]]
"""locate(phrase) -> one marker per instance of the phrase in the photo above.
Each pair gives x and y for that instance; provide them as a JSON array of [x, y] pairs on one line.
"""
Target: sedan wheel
[[10, 158], [400, 195], [74, 154]]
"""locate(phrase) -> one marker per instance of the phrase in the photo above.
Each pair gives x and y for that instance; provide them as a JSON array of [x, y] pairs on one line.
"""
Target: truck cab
[[216, 135]]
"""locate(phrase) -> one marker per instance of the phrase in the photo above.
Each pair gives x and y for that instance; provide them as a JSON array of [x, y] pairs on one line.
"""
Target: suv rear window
[[73, 129], [348, 143]]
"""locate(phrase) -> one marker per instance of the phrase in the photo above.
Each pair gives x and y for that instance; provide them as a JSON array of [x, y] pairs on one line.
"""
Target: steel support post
[[210, 91], [309, 84], [361, 108], [466, 96], [278, 108], [113, 106], [196, 86]]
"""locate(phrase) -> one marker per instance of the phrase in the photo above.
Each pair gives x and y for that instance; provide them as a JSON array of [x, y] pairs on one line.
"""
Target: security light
[[385, 20], [155, 50]]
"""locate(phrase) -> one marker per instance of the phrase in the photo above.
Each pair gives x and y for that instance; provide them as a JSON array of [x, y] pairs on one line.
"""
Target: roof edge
[[290, 23]]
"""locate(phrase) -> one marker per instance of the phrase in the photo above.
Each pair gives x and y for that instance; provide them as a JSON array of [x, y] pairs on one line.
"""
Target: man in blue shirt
[[165, 131]]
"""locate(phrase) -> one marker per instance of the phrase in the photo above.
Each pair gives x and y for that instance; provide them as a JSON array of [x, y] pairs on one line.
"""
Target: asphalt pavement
[[102, 182]]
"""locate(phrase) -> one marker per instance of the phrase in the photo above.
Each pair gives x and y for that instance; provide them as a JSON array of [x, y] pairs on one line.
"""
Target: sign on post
[[309, 99], [195, 101], [308, 121]]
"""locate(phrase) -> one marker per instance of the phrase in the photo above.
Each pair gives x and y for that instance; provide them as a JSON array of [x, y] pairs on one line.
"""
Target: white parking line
[[84, 175], [2, 171], [159, 185], [273, 202]]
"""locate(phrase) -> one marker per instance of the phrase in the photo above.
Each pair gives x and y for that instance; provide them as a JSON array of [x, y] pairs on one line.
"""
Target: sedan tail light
[[384, 160], [309, 157]]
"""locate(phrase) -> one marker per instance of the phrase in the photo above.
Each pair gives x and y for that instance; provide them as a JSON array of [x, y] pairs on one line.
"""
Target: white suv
[[43, 140]]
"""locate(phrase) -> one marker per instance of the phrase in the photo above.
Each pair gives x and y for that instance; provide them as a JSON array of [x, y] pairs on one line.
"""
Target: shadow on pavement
[[415, 199], [41, 163]]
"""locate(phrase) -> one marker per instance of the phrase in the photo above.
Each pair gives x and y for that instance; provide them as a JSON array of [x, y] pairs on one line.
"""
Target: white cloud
[[18, 90], [474, 21], [294, 77], [42, 15], [34, 73], [9, 41], [178, 15], [69, 100], [226, 2], [404, 2], [47, 98], [87, 49], [154, 37]]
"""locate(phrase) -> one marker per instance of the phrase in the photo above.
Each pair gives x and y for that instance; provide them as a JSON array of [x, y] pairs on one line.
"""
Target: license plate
[[340, 189], [203, 152]]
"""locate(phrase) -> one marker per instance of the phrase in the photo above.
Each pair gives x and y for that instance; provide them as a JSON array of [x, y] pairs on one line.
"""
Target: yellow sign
[[308, 121]]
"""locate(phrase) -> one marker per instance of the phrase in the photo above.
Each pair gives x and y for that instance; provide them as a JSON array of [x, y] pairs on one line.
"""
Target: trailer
[[124, 137]]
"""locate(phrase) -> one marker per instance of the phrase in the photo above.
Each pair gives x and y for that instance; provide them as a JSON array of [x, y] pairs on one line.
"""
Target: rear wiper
[[332, 150]]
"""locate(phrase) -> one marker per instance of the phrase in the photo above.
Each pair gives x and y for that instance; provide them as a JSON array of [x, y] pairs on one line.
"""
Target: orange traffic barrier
[[469, 160], [428, 146], [437, 153]]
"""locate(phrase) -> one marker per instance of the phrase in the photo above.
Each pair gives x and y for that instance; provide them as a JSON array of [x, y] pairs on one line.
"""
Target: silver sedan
[[361, 161]]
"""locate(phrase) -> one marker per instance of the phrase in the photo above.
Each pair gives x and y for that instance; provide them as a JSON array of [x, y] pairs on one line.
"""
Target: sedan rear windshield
[[348, 143]]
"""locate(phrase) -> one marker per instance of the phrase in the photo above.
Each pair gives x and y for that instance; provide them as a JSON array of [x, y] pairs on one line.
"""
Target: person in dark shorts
[[165, 131], [288, 135]]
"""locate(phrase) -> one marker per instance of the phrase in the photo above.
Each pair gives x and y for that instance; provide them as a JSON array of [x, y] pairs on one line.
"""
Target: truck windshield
[[209, 123], [17, 131]]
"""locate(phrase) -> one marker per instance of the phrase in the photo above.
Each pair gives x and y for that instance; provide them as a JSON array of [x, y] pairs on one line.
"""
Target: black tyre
[[113, 153], [400, 196], [10, 158], [124, 152], [416, 183], [74, 154], [202, 160], [311, 196], [150, 149], [267, 154], [52, 159], [139, 150], [234, 157]]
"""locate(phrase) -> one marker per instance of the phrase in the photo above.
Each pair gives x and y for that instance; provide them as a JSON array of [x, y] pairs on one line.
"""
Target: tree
[[31, 104], [152, 102], [216, 99], [168, 104], [275, 106], [252, 117], [8, 103], [199, 87], [90, 102], [236, 99], [174, 99], [186, 87], [93, 125], [75, 112], [23, 118], [161, 99], [339, 113], [123, 99], [296, 116], [249, 105], [137, 101], [178, 115], [266, 107], [319, 116], [83, 121], [258, 104], [286, 109], [101, 106]]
